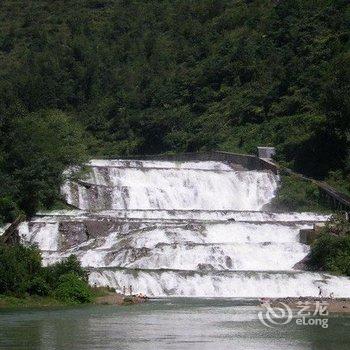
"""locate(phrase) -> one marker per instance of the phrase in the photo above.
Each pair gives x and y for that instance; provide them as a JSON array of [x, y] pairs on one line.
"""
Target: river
[[174, 323]]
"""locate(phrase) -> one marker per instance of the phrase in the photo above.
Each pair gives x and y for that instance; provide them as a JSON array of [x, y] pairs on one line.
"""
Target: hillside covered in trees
[[83, 78]]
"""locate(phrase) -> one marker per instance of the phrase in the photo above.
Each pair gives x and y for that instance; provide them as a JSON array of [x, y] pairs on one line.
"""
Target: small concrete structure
[[266, 152], [308, 236]]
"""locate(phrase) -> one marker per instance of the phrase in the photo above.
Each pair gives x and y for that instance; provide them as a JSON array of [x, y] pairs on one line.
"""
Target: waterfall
[[202, 186], [250, 284], [181, 229]]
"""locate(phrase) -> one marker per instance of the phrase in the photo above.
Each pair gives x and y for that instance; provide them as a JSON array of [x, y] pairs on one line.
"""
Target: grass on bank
[[36, 301], [28, 301]]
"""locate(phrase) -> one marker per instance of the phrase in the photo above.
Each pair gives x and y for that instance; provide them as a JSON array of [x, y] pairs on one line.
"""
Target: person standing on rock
[[130, 289], [124, 290]]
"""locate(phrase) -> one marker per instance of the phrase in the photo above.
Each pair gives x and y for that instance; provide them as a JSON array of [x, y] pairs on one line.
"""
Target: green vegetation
[[331, 250], [341, 180], [28, 301], [38, 148], [297, 194], [24, 280], [115, 77], [73, 289]]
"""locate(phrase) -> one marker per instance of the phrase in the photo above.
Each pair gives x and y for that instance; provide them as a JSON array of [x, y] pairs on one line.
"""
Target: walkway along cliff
[[185, 225]]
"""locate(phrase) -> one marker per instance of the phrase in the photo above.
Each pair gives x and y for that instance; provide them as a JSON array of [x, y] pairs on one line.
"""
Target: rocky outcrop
[[119, 299], [11, 236]]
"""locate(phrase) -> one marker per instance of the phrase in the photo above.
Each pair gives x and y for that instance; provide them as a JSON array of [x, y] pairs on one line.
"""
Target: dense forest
[[83, 78]]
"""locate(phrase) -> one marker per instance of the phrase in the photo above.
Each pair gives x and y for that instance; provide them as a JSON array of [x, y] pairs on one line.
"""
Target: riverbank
[[340, 305], [33, 301], [119, 299], [101, 297], [28, 302]]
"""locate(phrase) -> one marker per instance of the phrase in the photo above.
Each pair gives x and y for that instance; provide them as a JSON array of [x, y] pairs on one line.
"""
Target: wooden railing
[[335, 199]]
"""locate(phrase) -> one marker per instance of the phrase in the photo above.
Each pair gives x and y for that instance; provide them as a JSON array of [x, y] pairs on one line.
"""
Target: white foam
[[3, 228], [239, 285], [142, 164], [44, 235], [207, 215], [244, 256], [144, 188], [235, 246]]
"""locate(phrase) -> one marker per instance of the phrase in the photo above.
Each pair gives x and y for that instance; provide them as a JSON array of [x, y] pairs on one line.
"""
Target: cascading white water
[[192, 215], [44, 234], [224, 284], [201, 186], [181, 229]]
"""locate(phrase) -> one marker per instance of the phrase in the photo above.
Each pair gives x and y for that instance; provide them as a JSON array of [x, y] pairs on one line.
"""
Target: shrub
[[53, 272], [21, 272], [340, 263], [38, 286], [340, 180], [297, 194], [73, 289], [331, 250], [18, 266]]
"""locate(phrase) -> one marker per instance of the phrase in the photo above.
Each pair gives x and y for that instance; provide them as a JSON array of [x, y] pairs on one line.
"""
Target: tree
[[39, 148], [18, 266], [70, 265], [73, 289]]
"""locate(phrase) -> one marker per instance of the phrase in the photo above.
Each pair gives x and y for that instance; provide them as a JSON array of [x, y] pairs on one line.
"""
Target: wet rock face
[[88, 196], [303, 264], [228, 262], [96, 197], [72, 234], [100, 228], [205, 267]]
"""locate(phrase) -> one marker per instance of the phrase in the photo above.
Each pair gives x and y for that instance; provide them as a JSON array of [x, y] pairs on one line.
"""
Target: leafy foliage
[[21, 273], [297, 194], [38, 148], [70, 265], [304, 143], [331, 250], [9, 210], [18, 265], [73, 289], [38, 286]]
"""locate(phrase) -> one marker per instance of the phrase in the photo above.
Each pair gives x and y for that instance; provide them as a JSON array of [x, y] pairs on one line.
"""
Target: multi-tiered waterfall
[[181, 229]]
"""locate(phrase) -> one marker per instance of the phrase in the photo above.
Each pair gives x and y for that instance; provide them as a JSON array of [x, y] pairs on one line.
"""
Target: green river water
[[163, 324]]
